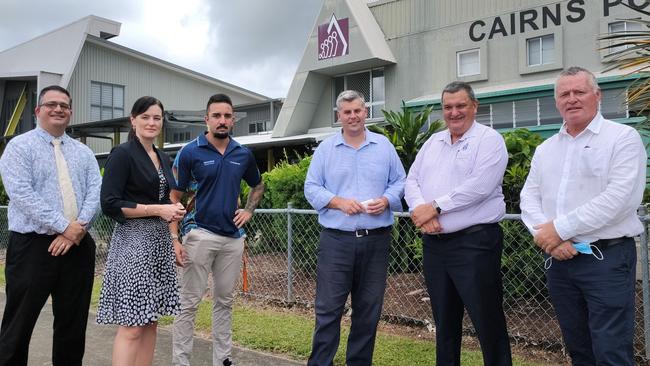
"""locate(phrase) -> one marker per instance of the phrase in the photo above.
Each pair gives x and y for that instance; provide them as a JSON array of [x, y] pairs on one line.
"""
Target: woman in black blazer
[[140, 278]]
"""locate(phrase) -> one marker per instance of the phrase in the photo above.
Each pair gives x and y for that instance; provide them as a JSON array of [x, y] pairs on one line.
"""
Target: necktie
[[65, 183]]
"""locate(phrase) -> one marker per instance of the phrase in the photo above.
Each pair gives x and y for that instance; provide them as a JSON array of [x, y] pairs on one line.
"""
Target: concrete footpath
[[99, 343]]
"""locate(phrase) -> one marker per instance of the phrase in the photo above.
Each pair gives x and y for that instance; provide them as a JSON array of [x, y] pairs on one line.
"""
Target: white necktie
[[65, 183]]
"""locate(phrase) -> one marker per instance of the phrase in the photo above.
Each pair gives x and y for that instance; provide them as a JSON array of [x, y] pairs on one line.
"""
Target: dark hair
[[456, 86], [218, 98], [140, 106], [53, 88]]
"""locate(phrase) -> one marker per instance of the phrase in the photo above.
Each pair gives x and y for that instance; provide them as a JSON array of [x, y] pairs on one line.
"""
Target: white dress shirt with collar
[[463, 178], [589, 185]]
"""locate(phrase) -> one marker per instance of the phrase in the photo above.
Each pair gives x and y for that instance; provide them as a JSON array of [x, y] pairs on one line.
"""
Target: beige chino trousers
[[207, 252]]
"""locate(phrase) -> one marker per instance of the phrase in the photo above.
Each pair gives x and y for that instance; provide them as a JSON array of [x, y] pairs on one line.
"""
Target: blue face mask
[[582, 248]]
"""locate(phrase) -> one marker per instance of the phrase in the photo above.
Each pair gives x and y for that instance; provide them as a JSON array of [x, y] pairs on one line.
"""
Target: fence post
[[646, 280], [289, 254]]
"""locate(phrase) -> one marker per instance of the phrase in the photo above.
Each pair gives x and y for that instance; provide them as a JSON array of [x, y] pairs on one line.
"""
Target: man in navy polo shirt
[[218, 164]]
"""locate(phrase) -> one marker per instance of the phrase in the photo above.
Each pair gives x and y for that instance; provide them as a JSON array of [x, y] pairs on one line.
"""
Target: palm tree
[[631, 52], [407, 130]]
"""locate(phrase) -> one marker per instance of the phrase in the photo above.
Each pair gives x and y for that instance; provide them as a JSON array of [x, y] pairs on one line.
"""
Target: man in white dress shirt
[[584, 186], [453, 190]]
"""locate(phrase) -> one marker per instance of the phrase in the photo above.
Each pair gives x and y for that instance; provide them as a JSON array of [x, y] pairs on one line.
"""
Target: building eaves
[[173, 67]]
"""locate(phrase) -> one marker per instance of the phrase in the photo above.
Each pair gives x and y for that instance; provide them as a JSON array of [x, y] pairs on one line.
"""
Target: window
[[370, 83], [548, 113], [526, 113], [484, 114], [621, 27], [613, 103], [106, 101], [502, 115], [541, 50], [258, 126], [519, 113], [468, 62], [181, 136]]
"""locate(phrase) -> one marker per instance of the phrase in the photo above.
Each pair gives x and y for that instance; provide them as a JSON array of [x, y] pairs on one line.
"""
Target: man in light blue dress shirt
[[50, 251], [354, 182]]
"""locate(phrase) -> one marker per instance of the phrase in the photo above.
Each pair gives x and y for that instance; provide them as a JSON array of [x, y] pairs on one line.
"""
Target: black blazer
[[130, 177]]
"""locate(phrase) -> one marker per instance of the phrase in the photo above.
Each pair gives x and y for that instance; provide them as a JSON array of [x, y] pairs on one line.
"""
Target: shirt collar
[[48, 138], [202, 141], [593, 126], [370, 138], [446, 135]]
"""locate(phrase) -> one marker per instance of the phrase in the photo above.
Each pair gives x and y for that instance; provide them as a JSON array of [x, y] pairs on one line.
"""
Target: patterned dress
[[140, 278]]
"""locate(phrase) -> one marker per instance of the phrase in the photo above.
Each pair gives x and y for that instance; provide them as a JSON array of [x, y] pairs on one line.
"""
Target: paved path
[[99, 343]]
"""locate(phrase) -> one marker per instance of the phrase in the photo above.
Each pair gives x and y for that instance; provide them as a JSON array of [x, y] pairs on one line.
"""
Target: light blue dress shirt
[[29, 176], [371, 171]]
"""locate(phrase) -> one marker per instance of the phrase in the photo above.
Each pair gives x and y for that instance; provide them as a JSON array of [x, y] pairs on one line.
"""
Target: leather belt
[[466, 231], [603, 244], [360, 233]]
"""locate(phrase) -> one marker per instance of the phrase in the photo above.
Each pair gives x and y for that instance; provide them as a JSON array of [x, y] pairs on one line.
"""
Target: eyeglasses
[[53, 105]]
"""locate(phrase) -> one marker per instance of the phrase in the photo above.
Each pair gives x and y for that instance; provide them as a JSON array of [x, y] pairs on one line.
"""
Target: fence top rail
[[643, 218]]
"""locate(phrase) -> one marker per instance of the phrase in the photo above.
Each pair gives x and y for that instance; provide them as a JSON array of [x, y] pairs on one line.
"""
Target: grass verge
[[290, 335]]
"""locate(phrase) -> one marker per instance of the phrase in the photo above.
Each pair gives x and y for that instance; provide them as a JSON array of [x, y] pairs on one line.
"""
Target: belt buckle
[[361, 233]]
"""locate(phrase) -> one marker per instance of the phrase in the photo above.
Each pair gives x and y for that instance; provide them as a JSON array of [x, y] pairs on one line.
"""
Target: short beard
[[220, 135]]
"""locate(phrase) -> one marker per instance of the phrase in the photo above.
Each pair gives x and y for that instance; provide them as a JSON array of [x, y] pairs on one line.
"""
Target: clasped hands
[[547, 238], [425, 218], [72, 235], [172, 212], [353, 207]]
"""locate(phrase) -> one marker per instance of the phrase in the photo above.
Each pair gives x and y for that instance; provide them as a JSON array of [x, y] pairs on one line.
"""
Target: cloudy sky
[[255, 44]]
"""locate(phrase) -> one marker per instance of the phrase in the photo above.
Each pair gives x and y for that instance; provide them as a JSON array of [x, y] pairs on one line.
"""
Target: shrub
[[521, 144], [520, 261]]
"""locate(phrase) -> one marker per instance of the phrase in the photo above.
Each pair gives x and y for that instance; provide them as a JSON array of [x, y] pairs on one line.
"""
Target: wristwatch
[[435, 205]]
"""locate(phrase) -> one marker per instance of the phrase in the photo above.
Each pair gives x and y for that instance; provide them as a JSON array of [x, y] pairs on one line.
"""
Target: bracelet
[[174, 237], [145, 210]]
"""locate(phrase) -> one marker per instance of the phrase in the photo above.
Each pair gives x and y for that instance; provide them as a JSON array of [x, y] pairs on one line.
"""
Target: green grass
[[290, 334]]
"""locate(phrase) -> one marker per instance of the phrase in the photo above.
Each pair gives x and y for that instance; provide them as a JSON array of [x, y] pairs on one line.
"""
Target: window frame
[[558, 53], [459, 55], [370, 103], [540, 40], [101, 106]]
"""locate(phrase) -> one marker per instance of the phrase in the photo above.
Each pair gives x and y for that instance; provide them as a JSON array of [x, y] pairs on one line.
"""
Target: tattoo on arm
[[254, 197]]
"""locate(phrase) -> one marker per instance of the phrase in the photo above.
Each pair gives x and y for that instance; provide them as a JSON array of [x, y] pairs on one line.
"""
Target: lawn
[[290, 334]]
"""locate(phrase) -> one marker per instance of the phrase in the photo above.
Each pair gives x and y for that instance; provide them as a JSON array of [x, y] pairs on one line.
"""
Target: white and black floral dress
[[140, 277]]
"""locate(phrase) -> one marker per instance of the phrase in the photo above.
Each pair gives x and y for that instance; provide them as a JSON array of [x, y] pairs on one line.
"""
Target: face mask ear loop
[[548, 262], [595, 248]]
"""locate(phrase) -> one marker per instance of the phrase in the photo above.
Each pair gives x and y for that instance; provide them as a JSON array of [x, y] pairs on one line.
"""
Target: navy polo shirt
[[218, 180]]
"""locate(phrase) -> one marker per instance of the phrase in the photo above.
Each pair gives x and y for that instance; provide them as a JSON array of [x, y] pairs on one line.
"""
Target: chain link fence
[[280, 267]]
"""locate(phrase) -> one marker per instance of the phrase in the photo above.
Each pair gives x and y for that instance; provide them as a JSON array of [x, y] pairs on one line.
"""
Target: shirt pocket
[[463, 161], [593, 162]]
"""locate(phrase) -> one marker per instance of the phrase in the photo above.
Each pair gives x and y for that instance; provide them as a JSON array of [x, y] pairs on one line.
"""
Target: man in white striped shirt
[[453, 190], [582, 192]]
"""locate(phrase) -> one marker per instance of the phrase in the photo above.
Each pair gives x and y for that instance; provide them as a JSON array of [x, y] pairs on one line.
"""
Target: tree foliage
[[407, 130], [521, 145]]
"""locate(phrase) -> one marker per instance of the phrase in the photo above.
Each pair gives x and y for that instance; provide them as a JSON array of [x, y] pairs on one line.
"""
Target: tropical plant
[[631, 52], [407, 130], [521, 145]]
